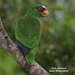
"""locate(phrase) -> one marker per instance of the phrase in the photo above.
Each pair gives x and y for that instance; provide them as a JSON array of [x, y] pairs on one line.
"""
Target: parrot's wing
[[28, 31]]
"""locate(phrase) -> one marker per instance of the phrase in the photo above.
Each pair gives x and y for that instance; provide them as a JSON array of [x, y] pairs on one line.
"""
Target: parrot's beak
[[45, 13]]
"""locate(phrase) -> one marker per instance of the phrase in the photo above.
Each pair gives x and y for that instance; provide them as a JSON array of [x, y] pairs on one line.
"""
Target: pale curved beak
[[45, 13]]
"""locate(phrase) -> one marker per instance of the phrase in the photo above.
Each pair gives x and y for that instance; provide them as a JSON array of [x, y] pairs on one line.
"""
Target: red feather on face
[[41, 9]]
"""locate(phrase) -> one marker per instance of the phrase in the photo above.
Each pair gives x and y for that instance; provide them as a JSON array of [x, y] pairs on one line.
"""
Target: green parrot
[[28, 31]]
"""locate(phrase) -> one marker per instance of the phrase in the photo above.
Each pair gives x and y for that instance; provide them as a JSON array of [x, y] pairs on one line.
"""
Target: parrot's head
[[39, 11], [43, 10]]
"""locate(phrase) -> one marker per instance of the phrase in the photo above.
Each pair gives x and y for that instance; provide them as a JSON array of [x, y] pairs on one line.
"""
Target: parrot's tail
[[28, 52], [31, 55]]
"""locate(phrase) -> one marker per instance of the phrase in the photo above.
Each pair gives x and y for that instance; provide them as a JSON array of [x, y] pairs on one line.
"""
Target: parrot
[[28, 31]]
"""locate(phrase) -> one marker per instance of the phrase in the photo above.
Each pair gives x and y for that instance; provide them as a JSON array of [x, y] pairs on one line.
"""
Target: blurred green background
[[57, 45]]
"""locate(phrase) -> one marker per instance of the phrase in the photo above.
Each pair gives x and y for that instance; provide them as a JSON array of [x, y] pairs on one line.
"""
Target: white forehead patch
[[43, 6]]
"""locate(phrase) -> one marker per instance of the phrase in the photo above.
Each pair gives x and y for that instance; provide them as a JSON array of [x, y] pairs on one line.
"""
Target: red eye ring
[[40, 9]]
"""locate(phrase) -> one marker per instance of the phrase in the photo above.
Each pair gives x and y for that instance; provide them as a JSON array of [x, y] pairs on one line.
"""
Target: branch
[[7, 43]]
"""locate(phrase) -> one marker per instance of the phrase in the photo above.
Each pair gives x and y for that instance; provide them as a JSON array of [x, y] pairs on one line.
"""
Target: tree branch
[[7, 43]]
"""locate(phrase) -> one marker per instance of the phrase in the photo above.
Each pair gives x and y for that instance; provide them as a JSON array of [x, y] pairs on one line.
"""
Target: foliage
[[57, 44], [8, 65]]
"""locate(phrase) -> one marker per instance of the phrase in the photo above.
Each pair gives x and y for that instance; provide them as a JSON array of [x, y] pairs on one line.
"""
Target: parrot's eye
[[40, 9]]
